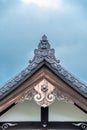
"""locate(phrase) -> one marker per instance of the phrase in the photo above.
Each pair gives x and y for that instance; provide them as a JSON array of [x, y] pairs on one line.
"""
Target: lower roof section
[[62, 89]]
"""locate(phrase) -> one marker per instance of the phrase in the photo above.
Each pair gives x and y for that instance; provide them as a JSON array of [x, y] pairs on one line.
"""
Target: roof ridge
[[44, 52]]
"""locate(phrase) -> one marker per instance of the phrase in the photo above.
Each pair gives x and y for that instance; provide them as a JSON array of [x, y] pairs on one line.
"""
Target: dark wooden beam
[[8, 108], [80, 108], [44, 116], [38, 125]]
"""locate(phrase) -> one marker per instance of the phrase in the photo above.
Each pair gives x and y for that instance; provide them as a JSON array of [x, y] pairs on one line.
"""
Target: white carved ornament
[[44, 94]]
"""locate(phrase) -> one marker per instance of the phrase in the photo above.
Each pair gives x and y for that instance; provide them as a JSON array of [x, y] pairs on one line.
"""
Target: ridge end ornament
[[44, 52]]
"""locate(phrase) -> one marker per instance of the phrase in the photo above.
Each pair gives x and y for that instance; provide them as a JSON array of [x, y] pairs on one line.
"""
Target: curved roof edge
[[44, 53]]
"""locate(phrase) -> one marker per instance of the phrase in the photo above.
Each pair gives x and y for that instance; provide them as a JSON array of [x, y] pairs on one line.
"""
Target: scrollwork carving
[[6, 125], [82, 125], [44, 94]]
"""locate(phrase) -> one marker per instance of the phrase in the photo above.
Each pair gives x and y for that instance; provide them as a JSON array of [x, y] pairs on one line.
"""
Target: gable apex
[[44, 52], [44, 55]]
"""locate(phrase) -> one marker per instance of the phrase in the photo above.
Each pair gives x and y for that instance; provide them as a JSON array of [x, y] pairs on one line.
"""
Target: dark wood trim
[[39, 125], [8, 108], [80, 108], [28, 84], [44, 115]]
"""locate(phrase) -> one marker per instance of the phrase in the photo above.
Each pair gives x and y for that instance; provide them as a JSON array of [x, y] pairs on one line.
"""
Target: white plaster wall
[[30, 111], [61, 111], [27, 111]]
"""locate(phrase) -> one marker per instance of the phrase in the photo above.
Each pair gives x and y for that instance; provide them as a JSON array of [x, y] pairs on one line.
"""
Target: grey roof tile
[[44, 53]]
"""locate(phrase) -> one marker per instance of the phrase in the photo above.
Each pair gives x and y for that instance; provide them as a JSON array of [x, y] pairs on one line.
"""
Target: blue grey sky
[[22, 24]]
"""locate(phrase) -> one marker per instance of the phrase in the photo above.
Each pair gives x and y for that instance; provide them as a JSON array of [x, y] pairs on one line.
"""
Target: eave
[[43, 72]]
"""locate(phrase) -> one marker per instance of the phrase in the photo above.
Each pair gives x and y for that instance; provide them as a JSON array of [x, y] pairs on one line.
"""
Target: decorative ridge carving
[[44, 52]]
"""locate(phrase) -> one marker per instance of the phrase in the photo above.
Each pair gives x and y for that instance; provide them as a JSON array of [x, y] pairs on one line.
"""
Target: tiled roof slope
[[44, 53]]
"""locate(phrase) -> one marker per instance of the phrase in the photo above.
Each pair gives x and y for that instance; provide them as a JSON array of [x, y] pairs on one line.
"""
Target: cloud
[[49, 4], [23, 24]]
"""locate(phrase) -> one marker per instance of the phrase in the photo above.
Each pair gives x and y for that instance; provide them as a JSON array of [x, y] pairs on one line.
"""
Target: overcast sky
[[22, 24]]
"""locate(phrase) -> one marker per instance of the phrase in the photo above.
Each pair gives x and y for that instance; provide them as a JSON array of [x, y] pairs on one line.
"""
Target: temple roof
[[44, 54]]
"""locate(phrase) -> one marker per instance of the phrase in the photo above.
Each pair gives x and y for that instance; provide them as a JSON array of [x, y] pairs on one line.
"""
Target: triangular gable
[[44, 68]]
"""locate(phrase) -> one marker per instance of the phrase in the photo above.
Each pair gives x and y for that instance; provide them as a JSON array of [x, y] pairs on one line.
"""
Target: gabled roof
[[46, 54]]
